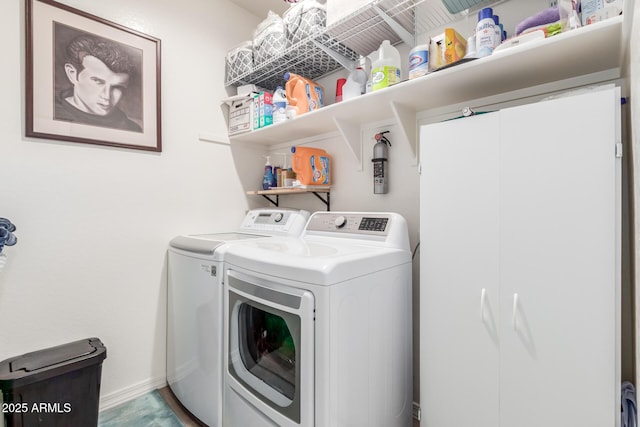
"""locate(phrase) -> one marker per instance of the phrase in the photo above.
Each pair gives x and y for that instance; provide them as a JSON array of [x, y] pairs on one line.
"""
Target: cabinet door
[[558, 262], [459, 273]]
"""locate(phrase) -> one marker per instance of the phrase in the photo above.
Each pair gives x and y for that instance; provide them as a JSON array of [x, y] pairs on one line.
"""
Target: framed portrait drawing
[[90, 80]]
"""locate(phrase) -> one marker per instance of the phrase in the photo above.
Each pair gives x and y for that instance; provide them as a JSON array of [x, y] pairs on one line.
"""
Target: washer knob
[[340, 221], [278, 217]]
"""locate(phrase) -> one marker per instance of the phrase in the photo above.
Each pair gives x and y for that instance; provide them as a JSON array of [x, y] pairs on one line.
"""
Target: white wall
[[94, 222], [634, 71]]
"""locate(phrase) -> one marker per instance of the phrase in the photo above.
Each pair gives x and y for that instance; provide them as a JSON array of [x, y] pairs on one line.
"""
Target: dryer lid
[[314, 261], [206, 244]]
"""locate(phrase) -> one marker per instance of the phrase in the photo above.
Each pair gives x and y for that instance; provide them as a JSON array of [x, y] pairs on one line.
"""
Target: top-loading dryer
[[319, 328], [195, 307]]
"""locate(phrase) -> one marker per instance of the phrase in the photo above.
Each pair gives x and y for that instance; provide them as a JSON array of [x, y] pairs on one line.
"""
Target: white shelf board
[[586, 51]]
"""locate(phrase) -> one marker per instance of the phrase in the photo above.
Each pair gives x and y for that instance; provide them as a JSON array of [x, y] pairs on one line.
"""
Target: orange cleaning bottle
[[303, 94], [311, 165]]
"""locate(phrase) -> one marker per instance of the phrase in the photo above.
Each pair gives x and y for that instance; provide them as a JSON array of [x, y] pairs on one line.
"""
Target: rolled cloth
[[547, 16]]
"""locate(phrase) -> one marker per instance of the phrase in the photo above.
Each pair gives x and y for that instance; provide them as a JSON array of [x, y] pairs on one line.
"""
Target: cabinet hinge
[[618, 150], [419, 168]]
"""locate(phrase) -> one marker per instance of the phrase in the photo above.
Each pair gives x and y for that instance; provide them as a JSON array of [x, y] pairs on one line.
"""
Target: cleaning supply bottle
[[419, 61], [386, 70], [498, 40], [356, 84], [279, 105], [485, 33], [268, 179], [339, 86], [311, 165], [303, 94]]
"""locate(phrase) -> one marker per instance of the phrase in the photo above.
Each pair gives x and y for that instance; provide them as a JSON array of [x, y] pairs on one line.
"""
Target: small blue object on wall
[[7, 238]]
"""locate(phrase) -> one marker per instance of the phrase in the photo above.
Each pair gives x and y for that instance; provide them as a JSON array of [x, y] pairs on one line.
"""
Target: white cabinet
[[520, 266]]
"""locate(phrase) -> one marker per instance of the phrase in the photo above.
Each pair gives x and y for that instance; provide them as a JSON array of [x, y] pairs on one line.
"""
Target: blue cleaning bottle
[[268, 180]]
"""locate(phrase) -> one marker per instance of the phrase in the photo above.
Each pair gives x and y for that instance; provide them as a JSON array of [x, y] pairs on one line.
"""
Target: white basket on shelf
[[269, 39], [304, 20], [239, 61]]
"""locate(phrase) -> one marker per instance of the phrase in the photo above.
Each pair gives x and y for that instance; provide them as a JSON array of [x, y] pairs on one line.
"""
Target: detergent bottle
[[311, 165], [268, 179], [386, 70], [303, 94], [355, 85]]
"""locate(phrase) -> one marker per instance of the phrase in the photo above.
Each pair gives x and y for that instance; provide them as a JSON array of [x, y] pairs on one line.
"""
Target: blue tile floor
[[149, 410]]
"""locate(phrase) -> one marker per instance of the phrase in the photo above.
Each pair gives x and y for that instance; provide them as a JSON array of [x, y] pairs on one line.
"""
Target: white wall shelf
[[592, 53], [277, 192]]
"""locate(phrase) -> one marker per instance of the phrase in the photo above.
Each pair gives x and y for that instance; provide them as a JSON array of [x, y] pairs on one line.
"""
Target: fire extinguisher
[[380, 157]]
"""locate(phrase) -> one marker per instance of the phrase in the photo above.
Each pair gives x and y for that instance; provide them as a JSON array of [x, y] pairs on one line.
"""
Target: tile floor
[[159, 408], [183, 415]]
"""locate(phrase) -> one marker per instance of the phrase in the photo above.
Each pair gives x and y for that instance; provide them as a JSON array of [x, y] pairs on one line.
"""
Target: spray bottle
[[279, 105], [268, 179], [485, 33], [380, 157]]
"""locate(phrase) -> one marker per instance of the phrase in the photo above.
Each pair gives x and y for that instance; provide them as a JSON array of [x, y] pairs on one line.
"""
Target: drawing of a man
[[99, 71]]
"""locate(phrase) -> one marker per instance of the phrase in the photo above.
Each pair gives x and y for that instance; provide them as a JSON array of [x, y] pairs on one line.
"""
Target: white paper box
[[241, 113]]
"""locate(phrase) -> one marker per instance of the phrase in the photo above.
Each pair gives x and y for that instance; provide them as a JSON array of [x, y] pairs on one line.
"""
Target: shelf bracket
[[347, 63], [406, 118], [405, 35], [351, 135], [326, 201], [273, 202]]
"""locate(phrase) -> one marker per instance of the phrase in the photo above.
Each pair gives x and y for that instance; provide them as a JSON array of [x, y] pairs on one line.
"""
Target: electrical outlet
[[553, 3], [417, 415]]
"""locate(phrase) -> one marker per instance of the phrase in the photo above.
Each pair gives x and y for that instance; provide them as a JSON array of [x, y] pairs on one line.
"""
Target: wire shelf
[[305, 58], [347, 40]]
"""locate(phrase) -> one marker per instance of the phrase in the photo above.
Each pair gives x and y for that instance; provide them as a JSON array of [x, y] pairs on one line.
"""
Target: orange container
[[455, 46], [303, 94], [311, 165]]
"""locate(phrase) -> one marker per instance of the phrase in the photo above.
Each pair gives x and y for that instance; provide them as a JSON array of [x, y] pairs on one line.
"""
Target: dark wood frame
[[39, 125]]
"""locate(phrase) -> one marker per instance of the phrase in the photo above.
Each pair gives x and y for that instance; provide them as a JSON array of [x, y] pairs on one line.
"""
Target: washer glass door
[[267, 345]]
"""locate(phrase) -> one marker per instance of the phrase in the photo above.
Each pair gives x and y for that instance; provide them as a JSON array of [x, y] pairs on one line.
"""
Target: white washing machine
[[195, 308], [319, 328]]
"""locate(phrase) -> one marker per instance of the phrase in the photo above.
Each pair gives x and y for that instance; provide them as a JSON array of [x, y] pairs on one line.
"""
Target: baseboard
[[123, 395]]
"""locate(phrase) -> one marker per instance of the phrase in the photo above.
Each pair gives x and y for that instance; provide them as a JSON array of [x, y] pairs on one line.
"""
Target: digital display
[[373, 224], [263, 218]]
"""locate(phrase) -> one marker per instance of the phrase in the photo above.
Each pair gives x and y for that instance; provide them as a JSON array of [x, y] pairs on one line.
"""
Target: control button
[[340, 221], [278, 217]]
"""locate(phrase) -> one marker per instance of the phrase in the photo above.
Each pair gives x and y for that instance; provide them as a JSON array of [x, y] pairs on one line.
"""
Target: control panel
[[353, 223], [270, 220]]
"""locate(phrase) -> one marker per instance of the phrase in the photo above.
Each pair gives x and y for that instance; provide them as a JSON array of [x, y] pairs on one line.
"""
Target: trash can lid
[[53, 356], [50, 362]]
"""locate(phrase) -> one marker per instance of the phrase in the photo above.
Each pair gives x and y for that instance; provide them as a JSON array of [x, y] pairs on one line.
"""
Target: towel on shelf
[[629, 417], [544, 17]]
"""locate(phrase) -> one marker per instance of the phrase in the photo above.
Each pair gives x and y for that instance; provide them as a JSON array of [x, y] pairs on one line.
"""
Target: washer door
[[271, 342]]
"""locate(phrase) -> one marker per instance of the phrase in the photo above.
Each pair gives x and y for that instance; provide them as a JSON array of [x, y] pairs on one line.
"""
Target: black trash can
[[57, 386]]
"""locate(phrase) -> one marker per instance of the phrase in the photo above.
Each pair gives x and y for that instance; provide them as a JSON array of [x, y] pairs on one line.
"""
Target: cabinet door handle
[[483, 298], [514, 318]]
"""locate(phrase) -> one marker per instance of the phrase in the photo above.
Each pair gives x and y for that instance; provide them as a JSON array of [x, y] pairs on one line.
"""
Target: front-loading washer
[[195, 307], [319, 328]]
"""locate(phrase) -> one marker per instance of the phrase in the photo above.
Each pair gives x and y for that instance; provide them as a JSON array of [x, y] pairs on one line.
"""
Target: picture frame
[[90, 80]]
